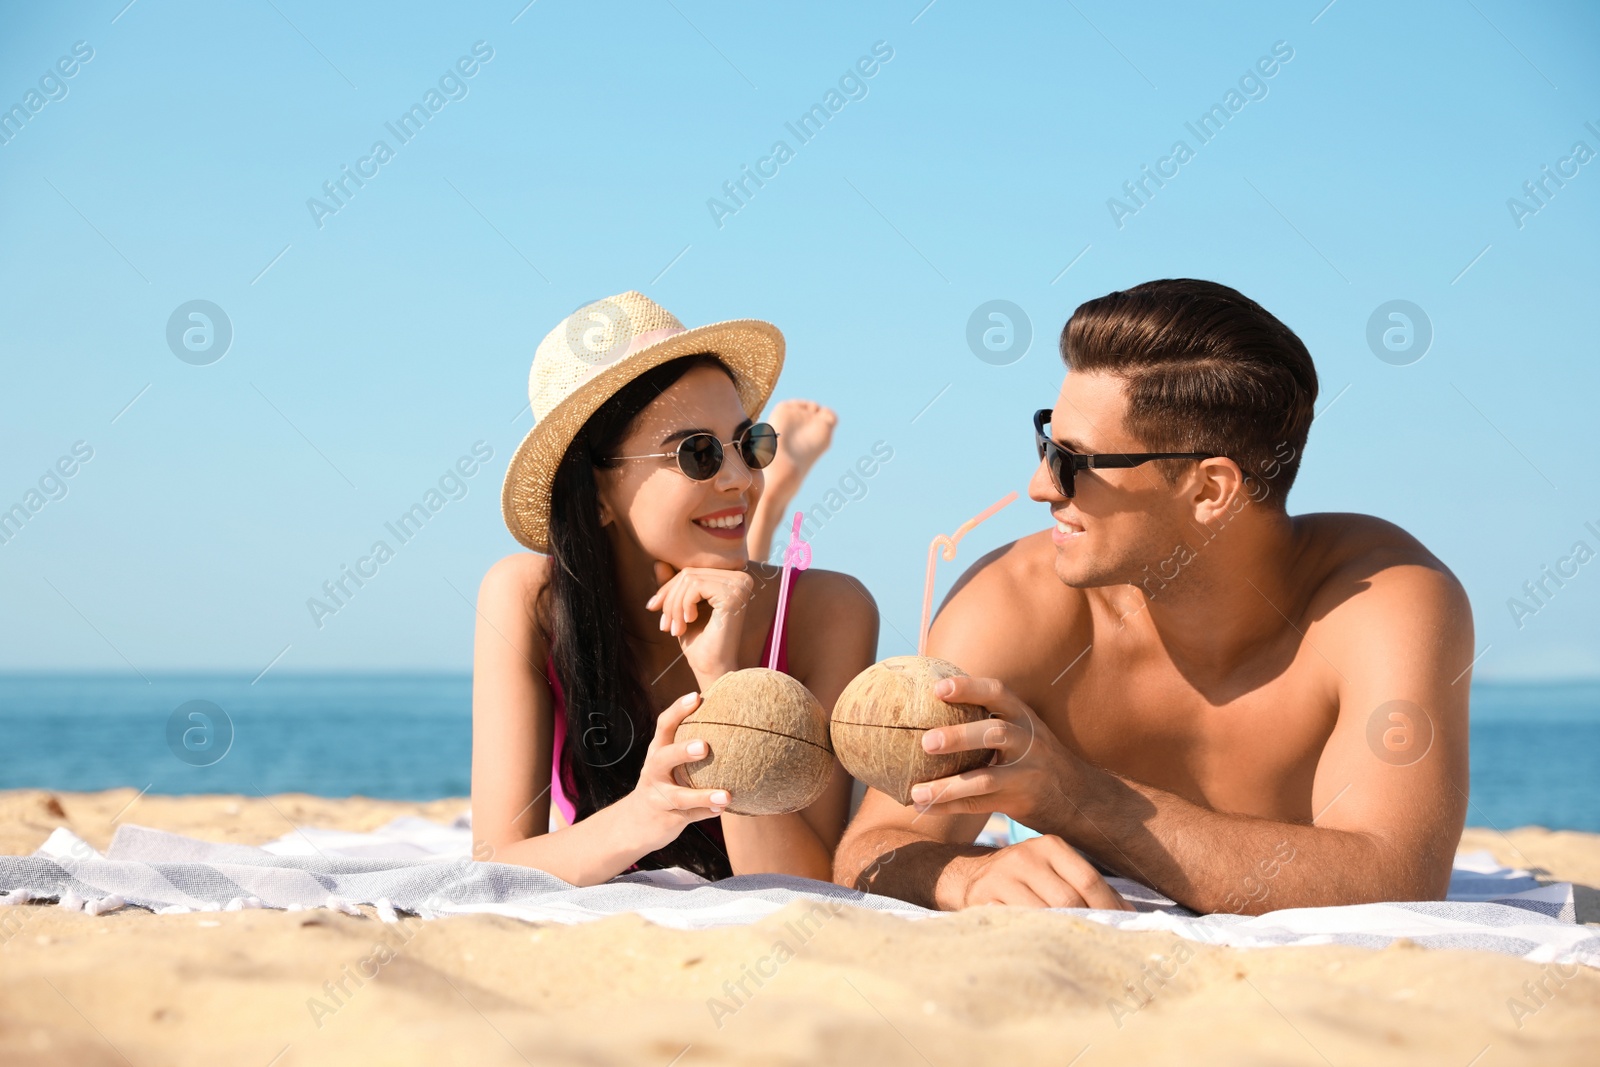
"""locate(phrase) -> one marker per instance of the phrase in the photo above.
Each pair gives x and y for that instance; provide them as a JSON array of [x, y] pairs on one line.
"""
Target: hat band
[[645, 340]]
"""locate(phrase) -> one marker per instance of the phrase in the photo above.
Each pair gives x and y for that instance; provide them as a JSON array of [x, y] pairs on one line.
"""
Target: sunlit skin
[[1187, 730], [694, 607]]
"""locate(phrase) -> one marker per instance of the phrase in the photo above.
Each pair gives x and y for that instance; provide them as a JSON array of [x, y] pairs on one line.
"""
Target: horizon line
[[109, 673]]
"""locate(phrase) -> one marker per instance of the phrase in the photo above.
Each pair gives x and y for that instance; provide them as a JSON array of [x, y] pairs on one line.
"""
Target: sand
[[993, 985]]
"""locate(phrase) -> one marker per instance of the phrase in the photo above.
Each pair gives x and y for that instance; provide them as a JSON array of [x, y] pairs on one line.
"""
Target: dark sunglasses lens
[[1060, 466], [759, 446], [1055, 458], [700, 456]]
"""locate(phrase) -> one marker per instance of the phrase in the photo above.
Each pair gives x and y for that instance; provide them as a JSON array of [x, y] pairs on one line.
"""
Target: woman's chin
[[679, 557], [730, 556], [734, 559]]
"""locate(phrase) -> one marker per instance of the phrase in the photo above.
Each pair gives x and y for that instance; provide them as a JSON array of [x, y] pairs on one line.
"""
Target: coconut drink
[[766, 735], [879, 719], [767, 741]]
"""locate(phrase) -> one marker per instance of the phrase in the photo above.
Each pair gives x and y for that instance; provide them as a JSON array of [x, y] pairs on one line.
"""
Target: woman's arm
[[512, 724], [833, 636], [512, 735]]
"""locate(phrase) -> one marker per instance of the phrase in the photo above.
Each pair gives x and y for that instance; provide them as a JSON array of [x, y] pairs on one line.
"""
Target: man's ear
[[1220, 492]]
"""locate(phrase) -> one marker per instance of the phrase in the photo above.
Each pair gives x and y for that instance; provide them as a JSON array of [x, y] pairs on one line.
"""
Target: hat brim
[[753, 350]]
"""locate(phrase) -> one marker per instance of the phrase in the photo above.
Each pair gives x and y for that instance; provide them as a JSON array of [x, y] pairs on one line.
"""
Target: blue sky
[[374, 346]]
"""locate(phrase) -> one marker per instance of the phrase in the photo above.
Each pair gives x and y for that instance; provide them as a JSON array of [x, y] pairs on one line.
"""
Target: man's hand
[[1041, 872], [1031, 775]]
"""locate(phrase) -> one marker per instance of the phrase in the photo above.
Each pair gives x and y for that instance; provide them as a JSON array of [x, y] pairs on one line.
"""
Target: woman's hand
[[710, 641], [660, 805]]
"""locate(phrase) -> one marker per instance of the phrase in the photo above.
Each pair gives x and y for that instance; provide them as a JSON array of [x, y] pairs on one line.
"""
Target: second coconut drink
[[879, 719]]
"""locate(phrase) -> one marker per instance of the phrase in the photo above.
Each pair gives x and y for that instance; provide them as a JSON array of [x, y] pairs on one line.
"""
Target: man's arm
[[1388, 798], [891, 850], [928, 860]]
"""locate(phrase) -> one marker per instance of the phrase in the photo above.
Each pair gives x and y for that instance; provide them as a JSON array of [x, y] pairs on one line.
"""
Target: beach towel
[[423, 868]]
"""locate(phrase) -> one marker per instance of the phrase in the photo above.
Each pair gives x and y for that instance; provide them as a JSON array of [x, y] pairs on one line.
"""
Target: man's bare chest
[[1248, 748]]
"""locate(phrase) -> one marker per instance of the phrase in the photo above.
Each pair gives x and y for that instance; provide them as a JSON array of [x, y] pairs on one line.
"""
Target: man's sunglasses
[[1063, 463], [700, 455]]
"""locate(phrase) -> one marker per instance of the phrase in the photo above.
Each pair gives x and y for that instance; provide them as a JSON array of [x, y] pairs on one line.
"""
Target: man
[[1245, 710]]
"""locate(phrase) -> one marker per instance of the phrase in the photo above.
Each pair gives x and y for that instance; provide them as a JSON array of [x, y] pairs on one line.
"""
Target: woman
[[642, 488]]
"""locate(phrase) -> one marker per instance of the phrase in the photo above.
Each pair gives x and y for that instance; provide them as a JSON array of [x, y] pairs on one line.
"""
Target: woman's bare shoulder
[[835, 591], [510, 588], [835, 604], [519, 572], [832, 628]]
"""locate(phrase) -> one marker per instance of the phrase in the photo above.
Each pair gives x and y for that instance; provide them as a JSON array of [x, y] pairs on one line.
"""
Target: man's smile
[[1065, 530]]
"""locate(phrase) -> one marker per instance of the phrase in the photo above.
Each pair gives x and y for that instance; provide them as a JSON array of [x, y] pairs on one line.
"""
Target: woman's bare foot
[[805, 430]]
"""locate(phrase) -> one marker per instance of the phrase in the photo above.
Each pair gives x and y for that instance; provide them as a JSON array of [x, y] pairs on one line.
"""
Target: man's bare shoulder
[[1024, 567], [1364, 571], [1009, 610], [1345, 546]]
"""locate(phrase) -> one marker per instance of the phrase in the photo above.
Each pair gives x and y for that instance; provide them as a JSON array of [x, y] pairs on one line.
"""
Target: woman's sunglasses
[[700, 455], [1063, 464]]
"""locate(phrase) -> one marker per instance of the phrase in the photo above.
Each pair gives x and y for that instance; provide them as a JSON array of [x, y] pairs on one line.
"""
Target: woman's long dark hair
[[609, 712]]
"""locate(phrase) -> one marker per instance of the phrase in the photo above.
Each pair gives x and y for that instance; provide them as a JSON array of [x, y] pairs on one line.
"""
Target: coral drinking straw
[[949, 544], [796, 557]]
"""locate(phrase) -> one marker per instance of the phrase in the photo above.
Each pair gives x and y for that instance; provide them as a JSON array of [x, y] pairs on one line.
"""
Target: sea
[[1535, 747]]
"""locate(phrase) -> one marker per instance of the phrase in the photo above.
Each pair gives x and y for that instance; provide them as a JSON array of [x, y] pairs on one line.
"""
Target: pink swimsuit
[[562, 791]]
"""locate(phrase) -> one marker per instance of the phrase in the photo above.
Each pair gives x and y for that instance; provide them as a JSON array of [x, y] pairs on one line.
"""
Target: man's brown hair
[[1206, 369]]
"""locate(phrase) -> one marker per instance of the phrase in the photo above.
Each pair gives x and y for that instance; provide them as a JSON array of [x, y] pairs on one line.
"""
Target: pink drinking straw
[[949, 545], [796, 557]]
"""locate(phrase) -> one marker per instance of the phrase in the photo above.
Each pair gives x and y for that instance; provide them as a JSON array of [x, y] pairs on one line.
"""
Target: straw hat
[[593, 353]]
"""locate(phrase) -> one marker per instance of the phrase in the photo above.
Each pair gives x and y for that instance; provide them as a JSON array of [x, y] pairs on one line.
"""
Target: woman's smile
[[727, 524]]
